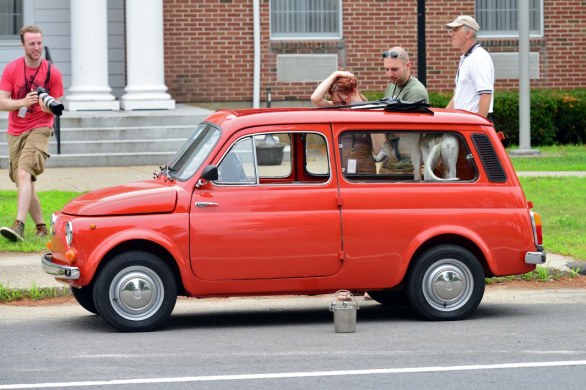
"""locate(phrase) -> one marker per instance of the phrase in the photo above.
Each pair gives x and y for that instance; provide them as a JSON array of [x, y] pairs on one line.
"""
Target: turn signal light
[[70, 255], [538, 228]]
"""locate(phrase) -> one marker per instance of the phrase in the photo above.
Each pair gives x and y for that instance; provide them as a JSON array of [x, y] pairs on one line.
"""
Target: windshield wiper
[[165, 171]]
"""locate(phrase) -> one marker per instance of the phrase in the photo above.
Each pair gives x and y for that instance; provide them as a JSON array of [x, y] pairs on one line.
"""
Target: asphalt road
[[516, 339]]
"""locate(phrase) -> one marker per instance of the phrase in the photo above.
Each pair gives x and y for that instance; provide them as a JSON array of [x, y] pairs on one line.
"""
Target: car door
[[386, 209], [275, 220]]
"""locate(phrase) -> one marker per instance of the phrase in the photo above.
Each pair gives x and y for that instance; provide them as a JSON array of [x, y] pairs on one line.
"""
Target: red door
[[255, 230]]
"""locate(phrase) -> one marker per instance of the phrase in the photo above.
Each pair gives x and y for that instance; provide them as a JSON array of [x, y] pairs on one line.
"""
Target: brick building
[[209, 44], [204, 50]]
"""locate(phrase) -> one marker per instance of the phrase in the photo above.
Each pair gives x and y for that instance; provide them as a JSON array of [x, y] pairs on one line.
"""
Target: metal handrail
[[57, 122]]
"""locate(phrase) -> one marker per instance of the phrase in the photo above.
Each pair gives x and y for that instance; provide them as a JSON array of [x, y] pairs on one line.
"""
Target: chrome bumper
[[58, 270], [535, 257]]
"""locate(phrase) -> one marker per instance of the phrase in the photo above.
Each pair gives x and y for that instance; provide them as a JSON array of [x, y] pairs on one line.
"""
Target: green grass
[[541, 274], [561, 202], [35, 293], [51, 201], [553, 158]]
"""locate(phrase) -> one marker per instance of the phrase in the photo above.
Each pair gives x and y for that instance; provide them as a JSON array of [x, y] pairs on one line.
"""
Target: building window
[[499, 17], [10, 18], [306, 19]]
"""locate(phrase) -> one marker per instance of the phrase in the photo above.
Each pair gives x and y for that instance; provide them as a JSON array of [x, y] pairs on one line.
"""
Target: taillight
[[537, 230]]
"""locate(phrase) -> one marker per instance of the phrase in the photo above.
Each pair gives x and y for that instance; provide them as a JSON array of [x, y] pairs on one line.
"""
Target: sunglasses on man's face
[[392, 54]]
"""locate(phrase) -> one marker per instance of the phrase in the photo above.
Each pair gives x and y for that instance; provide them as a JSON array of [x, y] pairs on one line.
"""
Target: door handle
[[205, 204]]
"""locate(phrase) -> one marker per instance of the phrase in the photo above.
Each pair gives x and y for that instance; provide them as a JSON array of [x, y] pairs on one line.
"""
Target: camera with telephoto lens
[[53, 105]]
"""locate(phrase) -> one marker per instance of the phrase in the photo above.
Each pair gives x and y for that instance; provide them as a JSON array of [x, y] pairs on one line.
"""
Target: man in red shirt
[[30, 125]]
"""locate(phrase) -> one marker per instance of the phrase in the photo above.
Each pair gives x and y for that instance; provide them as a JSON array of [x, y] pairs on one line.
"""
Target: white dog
[[429, 148]]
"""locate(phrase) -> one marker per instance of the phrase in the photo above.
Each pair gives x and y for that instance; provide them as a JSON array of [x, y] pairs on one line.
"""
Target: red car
[[398, 200]]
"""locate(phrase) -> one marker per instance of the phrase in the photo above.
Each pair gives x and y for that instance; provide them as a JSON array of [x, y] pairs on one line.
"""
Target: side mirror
[[209, 173]]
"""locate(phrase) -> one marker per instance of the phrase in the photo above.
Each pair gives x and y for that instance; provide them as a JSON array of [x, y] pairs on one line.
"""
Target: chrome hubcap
[[448, 285], [136, 293]]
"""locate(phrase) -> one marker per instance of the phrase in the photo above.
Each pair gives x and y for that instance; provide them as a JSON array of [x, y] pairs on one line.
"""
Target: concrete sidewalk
[[23, 270], [83, 178]]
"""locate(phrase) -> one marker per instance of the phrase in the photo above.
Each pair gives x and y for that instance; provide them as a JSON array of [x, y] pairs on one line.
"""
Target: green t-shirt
[[411, 91]]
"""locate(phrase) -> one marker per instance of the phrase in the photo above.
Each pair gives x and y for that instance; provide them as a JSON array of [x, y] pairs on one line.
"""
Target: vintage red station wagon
[[397, 200]]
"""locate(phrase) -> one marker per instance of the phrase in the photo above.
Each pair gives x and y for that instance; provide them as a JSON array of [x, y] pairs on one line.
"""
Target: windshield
[[193, 152]]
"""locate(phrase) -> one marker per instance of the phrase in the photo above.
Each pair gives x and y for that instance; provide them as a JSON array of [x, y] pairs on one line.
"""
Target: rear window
[[406, 156]]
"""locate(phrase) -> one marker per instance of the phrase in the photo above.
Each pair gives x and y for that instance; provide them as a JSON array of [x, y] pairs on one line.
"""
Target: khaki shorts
[[28, 152]]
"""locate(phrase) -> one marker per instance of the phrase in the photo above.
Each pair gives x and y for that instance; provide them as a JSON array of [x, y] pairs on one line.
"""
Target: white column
[[145, 65], [89, 58]]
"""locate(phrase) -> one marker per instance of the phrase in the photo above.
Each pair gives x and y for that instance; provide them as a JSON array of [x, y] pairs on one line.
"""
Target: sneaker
[[14, 233], [41, 230]]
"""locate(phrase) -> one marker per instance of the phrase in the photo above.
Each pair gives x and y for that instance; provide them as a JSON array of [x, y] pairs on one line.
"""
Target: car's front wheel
[[135, 291], [85, 297], [445, 283]]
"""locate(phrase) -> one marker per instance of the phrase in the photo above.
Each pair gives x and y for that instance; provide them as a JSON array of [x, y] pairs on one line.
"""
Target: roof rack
[[391, 105]]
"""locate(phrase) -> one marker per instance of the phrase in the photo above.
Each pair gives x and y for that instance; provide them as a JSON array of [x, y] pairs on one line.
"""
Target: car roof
[[233, 119]]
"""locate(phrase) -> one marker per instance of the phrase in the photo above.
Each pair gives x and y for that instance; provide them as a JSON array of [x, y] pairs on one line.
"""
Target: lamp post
[[421, 50]]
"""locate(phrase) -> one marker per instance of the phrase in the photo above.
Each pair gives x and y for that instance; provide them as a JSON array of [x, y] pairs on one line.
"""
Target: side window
[[237, 166], [292, 158], [406, 156], [316, 152], [273, 155], [276, 159]]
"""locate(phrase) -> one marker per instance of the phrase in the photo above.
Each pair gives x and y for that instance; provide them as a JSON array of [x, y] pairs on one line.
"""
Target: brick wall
[[209, 47]]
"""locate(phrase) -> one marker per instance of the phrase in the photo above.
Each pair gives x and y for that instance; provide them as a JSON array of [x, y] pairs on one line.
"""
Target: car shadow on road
[[279, 317], [371, 313], [302, 316]]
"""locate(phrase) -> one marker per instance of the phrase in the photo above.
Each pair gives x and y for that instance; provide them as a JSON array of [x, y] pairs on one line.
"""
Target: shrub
[[557, 116], [543, 113], [439, 99], [373, 95], [571, 117], [506, 115]]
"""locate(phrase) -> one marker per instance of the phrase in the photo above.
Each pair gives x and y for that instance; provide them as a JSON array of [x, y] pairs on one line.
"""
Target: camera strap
[[48, 75], [26, 84]]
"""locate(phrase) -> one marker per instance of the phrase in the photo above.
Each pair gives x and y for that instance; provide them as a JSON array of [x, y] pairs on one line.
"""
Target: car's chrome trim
[[535, 258], [58, 270]]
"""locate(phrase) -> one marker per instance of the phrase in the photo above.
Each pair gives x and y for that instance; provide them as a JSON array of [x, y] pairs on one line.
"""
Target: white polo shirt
[[475, 77]]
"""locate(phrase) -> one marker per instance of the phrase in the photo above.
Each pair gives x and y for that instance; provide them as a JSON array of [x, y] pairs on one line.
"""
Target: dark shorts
[[28, 152]]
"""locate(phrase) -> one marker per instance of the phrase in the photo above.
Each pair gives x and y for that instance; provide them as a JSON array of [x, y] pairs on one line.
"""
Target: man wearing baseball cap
[[475, 77]]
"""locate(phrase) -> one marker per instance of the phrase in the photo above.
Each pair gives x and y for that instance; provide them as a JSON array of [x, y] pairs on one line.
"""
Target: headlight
[[69, 233], [52, 225]]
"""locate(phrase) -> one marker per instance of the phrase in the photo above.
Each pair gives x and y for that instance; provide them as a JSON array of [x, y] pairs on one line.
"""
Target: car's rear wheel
[[445, 283], [85, 297], [135, 291]]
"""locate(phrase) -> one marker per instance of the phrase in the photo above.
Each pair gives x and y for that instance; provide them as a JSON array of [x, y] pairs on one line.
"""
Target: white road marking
[[284, 375]]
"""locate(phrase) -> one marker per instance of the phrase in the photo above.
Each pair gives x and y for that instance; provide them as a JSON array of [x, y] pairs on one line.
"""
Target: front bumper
[[58, 270], [535, 257]]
